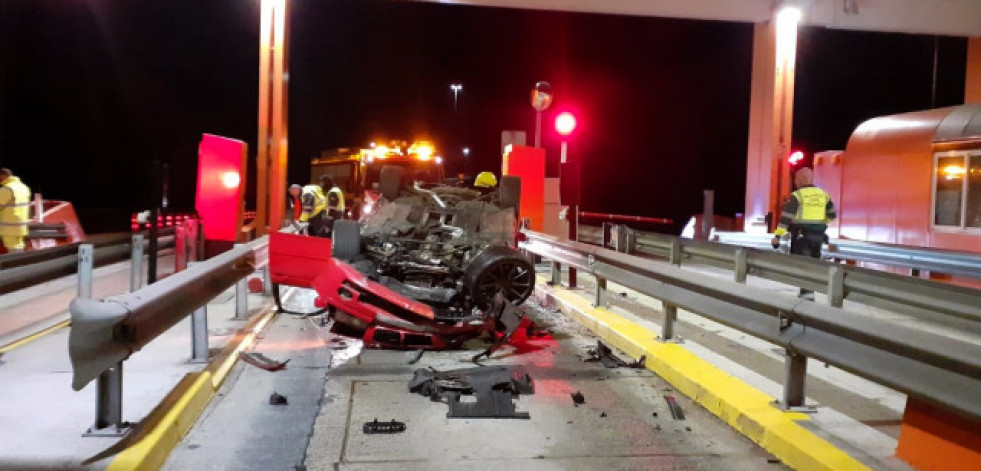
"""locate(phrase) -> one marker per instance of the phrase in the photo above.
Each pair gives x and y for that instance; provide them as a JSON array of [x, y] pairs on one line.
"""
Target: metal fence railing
[[20, 270], [106, 332], [921, 298], [936, 369]]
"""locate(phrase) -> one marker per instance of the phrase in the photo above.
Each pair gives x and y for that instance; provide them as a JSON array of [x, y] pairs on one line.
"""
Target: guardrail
[[23, 269], [915, 258], [920, 298], [938, 370], [105, 333]]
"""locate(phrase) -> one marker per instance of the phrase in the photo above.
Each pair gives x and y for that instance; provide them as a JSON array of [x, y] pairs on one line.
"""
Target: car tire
[[509, 191], [499, 268], [346, 243], [390, 181]]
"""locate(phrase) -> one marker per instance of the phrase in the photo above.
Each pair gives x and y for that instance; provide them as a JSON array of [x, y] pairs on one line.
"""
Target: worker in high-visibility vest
[[335, 201], [15, 211], [804, 218], [314, 202]]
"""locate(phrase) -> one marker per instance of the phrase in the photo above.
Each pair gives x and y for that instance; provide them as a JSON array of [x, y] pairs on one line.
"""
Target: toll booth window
[[974, 192], [950, 187]]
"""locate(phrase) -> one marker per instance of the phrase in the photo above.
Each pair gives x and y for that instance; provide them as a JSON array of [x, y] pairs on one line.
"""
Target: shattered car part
[[578, 398], [261, 361], [494, 388], [375, 426], [276, 399], [604, 355], [675, 408]]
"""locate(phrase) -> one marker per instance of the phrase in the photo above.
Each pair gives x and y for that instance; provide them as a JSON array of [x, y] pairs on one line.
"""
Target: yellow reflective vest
[[809, 207], [335, 201], [15, 207], [314, 202]]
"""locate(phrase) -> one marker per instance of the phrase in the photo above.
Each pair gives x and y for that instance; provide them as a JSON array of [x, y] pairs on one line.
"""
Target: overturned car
[[429, 267]]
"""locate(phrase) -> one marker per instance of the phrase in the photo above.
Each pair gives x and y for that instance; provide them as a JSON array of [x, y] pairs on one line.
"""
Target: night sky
[[93, 92]]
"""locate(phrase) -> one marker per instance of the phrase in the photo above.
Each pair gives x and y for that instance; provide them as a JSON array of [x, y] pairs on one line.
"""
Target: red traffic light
[[565, 123], [795, 157]]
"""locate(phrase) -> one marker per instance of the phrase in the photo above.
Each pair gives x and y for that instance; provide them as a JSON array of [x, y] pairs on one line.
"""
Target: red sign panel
[[221, 186]]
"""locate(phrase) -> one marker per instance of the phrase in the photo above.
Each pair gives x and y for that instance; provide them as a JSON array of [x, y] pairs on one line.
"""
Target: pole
[[564, 151], [538, 129], [151, 276], [136, 263], [708, 212]]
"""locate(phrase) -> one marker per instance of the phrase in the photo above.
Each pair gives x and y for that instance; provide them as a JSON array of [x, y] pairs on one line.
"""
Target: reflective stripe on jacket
[[314, 202], [809, 207], [15, 207]]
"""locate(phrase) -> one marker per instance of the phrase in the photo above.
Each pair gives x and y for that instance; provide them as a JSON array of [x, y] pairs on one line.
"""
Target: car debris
[[416, 356], [373, 427], [675, 408], [493, 387], [261, 361], [276, 399], [604, 355], [578, 398]]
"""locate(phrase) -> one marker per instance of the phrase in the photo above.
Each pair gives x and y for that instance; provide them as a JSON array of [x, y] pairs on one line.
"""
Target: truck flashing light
[[953, 172]]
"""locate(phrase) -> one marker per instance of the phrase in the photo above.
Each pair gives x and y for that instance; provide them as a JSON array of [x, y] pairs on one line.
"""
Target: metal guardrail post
[[267, 285], [199, 330], [741, 266], [836, 286], [242, 297], [136, 263], [675, 255], [667, 328], [85, 262], [796, 373], [109, 385], [556, 270], [600, 288]]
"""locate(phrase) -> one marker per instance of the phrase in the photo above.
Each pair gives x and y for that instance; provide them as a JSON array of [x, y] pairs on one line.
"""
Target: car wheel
[[346, 241], [390, 181], [499, 269]]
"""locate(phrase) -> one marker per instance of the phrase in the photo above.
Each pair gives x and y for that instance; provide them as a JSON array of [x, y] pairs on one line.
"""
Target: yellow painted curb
[[36, 335], [170, 421], [743, 407]]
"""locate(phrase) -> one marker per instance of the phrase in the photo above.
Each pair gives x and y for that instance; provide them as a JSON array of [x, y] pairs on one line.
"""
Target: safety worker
[[805, 217], [313, 200], [485, 181], [293, 204], [15, 211], [335, 201]]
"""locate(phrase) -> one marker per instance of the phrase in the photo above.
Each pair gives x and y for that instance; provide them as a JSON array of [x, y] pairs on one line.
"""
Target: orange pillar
[[933, 439], [770, 119], [271, 154], [972, 83]]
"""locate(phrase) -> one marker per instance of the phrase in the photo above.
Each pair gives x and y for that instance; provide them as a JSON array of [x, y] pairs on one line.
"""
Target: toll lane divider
[[170, 422], [746, 409]]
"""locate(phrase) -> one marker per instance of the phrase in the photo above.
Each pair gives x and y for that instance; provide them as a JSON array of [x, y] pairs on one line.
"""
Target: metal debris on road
[[578, 398], [261, 361], [416, 356], [276, 399], [676, 411], [375, 426], [493, 387], [604, 355]]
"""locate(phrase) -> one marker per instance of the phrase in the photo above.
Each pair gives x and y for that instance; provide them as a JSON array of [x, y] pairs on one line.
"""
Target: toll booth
[[909, 179]]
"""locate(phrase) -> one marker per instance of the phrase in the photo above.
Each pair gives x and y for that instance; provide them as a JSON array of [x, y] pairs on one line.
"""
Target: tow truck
[[357, 171]]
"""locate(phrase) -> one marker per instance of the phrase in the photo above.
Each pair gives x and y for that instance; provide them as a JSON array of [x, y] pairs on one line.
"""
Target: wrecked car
[[429, 267]]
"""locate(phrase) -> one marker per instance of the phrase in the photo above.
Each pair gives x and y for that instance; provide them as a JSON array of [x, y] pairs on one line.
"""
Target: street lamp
[[466, 151], [456, 88]]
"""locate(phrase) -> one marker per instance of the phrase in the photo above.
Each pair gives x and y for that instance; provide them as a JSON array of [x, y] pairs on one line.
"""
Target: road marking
[[746, 409], [32, 337]]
